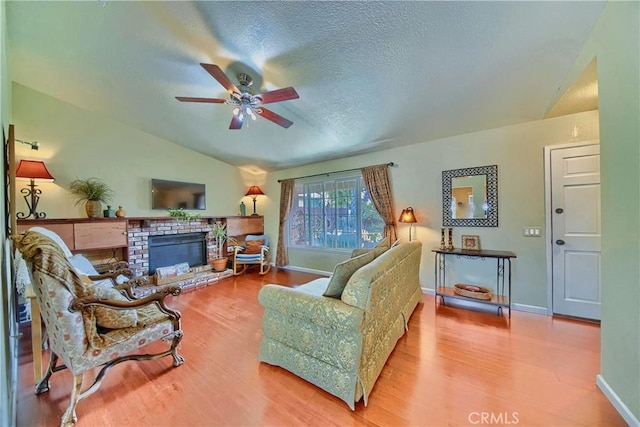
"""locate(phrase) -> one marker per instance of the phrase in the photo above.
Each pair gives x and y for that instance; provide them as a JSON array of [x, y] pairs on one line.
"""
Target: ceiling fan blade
[[278, 95], [275, 118], [207, 100], [236, 122], [217, 74]]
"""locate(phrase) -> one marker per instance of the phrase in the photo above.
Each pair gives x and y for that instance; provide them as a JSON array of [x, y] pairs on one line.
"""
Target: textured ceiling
[[370, 75]]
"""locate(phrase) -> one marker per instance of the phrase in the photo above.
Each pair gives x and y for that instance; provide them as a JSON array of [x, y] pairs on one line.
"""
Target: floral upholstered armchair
[[254, 251], [92, 325]]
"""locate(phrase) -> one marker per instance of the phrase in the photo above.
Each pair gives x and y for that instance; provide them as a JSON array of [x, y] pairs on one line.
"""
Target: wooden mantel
[[236, 225], [90, 234]]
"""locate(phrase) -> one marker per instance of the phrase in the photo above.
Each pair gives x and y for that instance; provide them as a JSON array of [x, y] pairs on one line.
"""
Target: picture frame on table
[[470, 242]]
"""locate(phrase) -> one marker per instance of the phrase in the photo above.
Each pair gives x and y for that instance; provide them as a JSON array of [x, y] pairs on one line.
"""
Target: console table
[[501, 298]]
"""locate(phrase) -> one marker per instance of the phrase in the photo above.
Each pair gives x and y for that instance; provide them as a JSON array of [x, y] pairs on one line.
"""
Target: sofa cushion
[[109, 317], [377, 250], [384, 243], [343, 271]]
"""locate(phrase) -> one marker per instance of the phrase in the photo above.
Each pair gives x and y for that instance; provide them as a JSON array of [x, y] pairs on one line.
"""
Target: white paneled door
[[576, 232]]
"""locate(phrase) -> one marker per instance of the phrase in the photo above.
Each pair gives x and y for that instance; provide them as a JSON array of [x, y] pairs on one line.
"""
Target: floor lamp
[[408, 217]]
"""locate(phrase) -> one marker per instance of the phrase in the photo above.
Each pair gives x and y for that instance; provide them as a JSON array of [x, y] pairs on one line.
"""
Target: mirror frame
[[492, 197]]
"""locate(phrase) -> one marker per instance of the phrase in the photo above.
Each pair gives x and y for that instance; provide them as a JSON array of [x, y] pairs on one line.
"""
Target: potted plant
[[92, 192], [219, 233]]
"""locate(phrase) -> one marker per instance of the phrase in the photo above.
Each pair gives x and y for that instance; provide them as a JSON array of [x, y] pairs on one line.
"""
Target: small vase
[[243, 209], [120, 213], [109, 213], [93, 208]]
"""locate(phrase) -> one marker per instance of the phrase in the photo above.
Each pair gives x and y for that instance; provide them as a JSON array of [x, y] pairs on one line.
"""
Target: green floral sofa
[[341, 343]]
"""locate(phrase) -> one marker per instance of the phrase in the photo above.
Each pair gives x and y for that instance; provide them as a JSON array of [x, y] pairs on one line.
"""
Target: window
[[334, 214]]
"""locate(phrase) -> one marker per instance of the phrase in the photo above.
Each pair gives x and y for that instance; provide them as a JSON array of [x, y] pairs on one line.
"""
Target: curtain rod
[[331, 173]]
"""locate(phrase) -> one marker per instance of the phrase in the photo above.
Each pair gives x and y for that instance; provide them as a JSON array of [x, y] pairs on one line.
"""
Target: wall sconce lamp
[[32, 170], [408, 217], [34, 145], [254, 191]]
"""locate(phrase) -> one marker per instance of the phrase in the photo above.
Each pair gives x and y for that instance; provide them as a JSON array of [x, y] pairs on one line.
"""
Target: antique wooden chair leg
[[177, 359], [69, 418], [43, 384]]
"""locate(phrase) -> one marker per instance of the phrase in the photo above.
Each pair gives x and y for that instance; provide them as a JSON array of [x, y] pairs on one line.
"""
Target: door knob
[[560, 242], [559, 210]]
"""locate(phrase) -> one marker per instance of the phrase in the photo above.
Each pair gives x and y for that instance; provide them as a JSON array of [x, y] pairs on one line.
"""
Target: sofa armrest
[[324, 311]]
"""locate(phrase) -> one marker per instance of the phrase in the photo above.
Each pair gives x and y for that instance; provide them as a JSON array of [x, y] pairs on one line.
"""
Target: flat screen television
[[175, 195]]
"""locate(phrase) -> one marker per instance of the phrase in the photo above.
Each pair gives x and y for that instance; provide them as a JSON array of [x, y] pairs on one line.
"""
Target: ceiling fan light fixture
[[243, 99]]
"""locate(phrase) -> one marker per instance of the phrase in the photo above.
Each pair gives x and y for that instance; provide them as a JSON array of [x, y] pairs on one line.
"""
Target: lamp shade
[[254, 190], [407, 215], [33, 169]]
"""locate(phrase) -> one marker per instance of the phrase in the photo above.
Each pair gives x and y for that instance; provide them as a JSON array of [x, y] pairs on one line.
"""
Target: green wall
[[615, 42], [8, 356], [416, 181], [76, 143]]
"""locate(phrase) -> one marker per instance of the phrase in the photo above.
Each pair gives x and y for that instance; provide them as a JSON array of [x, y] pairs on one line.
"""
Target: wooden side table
[[36, 333]]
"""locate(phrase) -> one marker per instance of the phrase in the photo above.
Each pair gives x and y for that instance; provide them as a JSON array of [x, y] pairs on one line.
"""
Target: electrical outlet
[[531, 232]]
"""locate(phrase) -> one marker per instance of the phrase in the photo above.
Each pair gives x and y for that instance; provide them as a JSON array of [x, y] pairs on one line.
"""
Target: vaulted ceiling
[[370, 75]]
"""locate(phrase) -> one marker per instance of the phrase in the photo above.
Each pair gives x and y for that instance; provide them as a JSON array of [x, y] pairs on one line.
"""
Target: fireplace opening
[[171, 249]]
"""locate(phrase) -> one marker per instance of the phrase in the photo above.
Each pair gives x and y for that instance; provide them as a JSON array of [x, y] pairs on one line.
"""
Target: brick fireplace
[[140, 231]]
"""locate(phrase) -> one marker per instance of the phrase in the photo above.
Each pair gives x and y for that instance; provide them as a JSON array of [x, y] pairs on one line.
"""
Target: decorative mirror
[[470, 197]]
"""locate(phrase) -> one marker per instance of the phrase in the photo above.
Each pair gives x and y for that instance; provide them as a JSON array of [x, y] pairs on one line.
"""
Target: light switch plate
[[531, 232]]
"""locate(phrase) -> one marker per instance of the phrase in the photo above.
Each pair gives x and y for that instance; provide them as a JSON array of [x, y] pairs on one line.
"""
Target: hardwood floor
[[453, 367]]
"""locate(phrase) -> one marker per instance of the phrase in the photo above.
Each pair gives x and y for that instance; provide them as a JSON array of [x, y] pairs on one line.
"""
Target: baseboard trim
[[529, 308], [428, 291], [307, 270], [622, 409]]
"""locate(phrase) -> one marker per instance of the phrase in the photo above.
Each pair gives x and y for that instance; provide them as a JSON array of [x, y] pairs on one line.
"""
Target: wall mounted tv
[[175, 195]]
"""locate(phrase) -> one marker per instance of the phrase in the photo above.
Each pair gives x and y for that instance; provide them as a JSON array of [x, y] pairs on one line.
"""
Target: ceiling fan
[[247, 104]]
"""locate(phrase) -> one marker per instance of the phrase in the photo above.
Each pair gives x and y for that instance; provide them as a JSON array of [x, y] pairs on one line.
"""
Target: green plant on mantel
[[182, 214], [90, 189]]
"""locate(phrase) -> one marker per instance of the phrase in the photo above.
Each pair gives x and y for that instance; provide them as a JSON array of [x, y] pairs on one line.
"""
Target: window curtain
[[286, 198], [376, 178]]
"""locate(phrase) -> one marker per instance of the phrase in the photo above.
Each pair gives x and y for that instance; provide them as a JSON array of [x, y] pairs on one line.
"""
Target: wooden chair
[[91, 325], [254, 251]]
